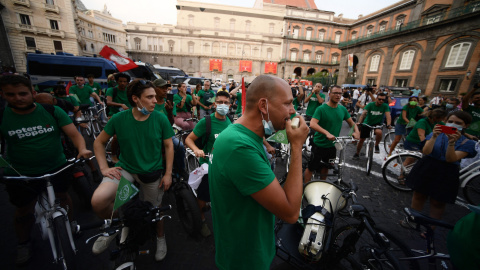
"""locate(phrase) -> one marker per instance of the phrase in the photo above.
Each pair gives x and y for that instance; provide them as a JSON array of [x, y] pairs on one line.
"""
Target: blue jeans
[[178, 154]]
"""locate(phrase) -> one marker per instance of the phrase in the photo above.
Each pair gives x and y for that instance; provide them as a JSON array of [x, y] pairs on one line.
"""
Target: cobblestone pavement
[[384, 203]]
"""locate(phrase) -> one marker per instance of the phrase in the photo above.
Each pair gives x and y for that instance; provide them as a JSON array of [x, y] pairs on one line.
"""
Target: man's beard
[[22, 109]]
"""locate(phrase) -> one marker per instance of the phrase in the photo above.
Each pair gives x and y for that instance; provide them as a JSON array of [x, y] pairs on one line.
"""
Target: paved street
[[384, 203]]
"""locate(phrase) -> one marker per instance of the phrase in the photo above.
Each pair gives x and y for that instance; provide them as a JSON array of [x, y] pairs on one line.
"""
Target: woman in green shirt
[[409, 112], [184, 104]]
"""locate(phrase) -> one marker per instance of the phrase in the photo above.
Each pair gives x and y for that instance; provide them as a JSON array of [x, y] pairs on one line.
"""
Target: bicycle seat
[[424, 219]]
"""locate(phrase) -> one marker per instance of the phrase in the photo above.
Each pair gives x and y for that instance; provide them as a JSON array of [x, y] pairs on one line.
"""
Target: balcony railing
[[51, 8], [26, 27], [310, 61], [450, 14], [311, 39], [40, 30], [22, 2]]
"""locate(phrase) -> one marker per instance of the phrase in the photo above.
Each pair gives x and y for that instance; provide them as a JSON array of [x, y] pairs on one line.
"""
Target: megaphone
[[327, 195]]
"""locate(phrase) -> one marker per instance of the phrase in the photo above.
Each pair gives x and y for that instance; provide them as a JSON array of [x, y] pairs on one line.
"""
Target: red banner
[[244, 95], [270, 67], [216, 64], [123, 63], [245, 65]]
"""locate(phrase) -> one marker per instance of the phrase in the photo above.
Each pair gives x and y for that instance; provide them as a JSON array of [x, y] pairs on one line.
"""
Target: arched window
[[407, 60], [191, 46], [293, 55], [296, 31], [269, 53], [190, 20], [338, 35], [374, 63], [308, 35], [458, 54], [321, 34], [216, 48], [369, 30]]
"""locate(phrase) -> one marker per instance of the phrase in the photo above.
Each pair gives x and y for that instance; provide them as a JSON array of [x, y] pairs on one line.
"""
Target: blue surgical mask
[[454, 125], [143, 110], [222, 109], [449, 106], [268, 126]]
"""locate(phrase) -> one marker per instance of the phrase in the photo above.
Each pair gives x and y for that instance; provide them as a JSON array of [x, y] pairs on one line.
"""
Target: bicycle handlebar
[[374, 127], [191, 119], [70, 163]]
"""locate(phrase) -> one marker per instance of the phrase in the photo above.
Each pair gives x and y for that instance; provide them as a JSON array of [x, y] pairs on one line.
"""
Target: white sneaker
[[102, 243], [161, 249]]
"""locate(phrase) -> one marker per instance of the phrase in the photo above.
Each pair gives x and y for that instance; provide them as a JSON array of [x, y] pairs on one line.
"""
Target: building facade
[[432, 44], [97, 29], [243, 40], [45, 26]]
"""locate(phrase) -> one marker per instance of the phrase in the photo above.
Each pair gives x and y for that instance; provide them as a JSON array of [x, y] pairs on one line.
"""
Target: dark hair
[[457, 101], [336, 86], [425, 98], [136, 88], [466, 117], [436, 113], [90, 76], [412, 97], [198, 84], [383, 95], [76, 76], [58, 87], [222, 94], [180, 85], [122, 75], [15, 80]]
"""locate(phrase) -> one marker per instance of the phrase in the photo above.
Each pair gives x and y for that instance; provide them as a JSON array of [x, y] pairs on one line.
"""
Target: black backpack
[[202, 141]]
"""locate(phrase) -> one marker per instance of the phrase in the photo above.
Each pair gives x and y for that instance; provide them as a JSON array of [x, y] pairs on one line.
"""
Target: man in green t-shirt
[[83, 92], [373, 115], [206, 98], [97, 89], [314, 100], [117, 96], [298, 94], [237, 94], [34, 147], [244, 192], [141, 133], [473, 131], [327, 122], [219, 122]]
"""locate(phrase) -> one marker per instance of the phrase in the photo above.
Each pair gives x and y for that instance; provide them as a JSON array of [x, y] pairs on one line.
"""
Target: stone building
[[432, 44], [208, 33], [97, 29], [32, 25]]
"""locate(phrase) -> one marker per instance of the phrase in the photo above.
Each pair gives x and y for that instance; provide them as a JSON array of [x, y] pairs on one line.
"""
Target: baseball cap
[[161, 83]]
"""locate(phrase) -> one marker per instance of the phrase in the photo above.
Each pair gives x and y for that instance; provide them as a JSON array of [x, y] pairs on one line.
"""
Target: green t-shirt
[[411, 113], [313, 103], [83, 94], [463, 242], [217, 127], [177, 99], [70, 99], [141, 141], [206, 97], [33, 140], [161, 108], [375, 113], [239, 103], [330, 119], [295, 103], [120, 98], [96, 88], [474, 128], [243, 229], [421, 124]]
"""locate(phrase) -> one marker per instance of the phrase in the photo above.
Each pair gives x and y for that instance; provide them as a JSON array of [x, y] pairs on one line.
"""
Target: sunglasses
[[381, 99]]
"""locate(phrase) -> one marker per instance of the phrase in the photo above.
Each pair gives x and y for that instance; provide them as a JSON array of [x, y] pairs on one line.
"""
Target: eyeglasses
[[222, 102], [336, 93], [381, 99]]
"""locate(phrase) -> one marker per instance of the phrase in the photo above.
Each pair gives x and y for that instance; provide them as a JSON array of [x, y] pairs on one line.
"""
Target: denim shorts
[[400, 129], [411, 146]]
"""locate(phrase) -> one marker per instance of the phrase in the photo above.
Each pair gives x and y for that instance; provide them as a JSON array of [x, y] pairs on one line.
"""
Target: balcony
[[51, 8], [450, 14], [22, 2], [55, 32], [310, 39], [26, 28], [310, 61]]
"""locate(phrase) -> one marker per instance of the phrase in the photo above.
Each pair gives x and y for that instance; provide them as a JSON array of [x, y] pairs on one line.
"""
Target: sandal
[[408, 224]]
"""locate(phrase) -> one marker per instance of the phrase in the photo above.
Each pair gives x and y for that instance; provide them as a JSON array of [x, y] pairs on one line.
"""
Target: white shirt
[[364, 99], [356, 93]]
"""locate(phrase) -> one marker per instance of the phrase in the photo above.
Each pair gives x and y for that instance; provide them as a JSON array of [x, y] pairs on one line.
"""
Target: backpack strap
[[208, 124], [115, 93], [230, 117]]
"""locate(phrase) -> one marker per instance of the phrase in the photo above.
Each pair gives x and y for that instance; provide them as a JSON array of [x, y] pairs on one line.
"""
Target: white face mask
[[143, 110], [454, 125], [222, 109], [268, 126]]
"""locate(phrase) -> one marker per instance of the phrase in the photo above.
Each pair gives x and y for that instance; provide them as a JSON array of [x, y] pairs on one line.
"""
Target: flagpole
[[244, 95]]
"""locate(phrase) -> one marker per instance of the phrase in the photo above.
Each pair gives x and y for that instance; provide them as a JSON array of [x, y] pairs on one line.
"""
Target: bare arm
[[285, 203], [115, 104], [428, 148], [167, 177], [389, 118], [95, 96], [234, 91], [466, 99], [315, 126], [356, 131], [301, 94], [421, 134], [362, 117], [404, 116], [190, 142]]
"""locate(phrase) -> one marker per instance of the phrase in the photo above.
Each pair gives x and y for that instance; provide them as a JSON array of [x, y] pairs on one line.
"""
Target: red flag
[[123, 63], [68, 87], [244, 95]]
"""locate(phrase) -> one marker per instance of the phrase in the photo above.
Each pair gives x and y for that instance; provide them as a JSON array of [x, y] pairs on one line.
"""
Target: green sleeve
[[318, 113], [404, 108], [109, 92], [177, 99], [74, 101], [110, 127], [167, 130], [201, 128], [368, 107], [322, 95], [189, 99], [387, 108], [62, 117], [90, 90], [256, 173], [200, 94]]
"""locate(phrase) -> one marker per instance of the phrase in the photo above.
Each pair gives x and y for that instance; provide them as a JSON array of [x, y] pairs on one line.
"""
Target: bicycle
[[52, 219], [394, 170], [136, 225], [389, 138], [358, 245], [370, 146], [94, 127]]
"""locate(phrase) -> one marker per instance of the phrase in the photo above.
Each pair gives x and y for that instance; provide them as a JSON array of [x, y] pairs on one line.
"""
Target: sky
[[164, 11]]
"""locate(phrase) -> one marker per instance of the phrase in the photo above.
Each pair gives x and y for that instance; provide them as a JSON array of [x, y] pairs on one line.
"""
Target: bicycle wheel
[[472, 190], [188, 211], [387, 141], [370, 147], [359, 252], [395, 171], [65, 253]]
